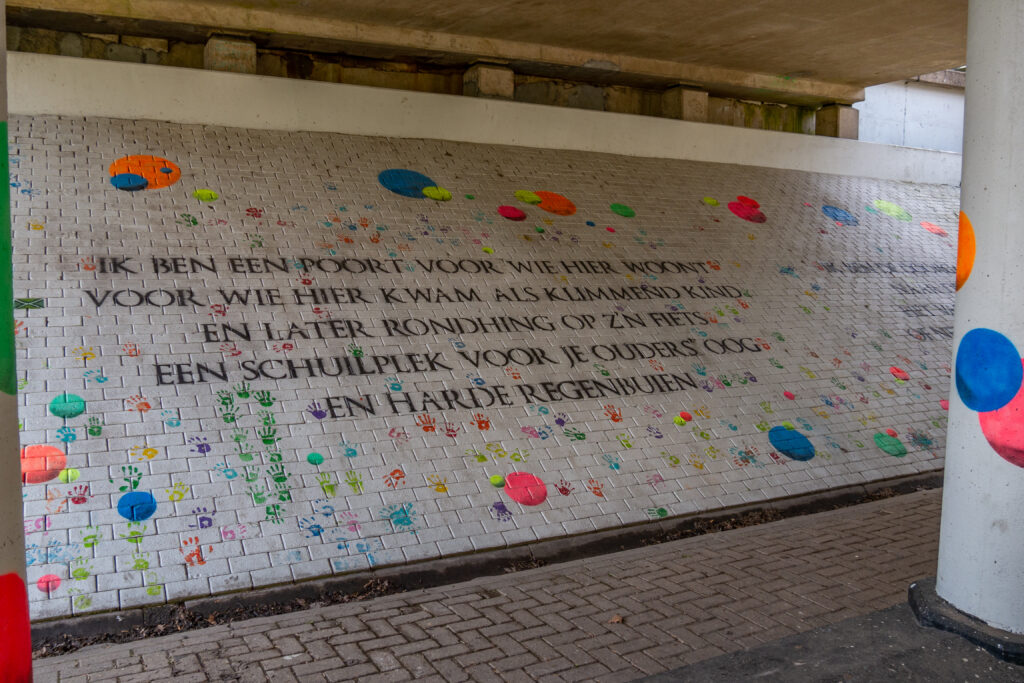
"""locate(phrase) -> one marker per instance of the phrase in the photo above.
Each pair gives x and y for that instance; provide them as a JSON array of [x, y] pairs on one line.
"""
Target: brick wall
[[313, 374]]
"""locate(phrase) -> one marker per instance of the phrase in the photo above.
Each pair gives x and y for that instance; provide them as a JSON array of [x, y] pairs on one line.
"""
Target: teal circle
[[315, 459], [67, 405]]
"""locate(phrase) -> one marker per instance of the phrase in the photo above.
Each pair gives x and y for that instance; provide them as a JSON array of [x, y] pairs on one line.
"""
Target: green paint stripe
[[8, 369]]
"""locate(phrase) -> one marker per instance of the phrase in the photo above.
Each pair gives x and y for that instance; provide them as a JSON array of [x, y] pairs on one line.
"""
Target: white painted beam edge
[[70, 86]]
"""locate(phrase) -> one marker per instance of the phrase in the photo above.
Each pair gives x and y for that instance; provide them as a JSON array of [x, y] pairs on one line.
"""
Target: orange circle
[[555, 203], [41, 463], [965, 251], [149, 167]]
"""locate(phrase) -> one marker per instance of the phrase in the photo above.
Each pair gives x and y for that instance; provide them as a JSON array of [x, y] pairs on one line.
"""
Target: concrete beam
[[230, 54], [837, 121], [683, 103], [489, 80]]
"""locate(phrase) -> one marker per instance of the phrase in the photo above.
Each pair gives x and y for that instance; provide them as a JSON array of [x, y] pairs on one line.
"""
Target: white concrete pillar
[[15, 637], [981, 547]]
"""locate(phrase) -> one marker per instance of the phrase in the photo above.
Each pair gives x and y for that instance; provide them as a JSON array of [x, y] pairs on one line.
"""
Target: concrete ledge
[[69, 86], [288, 597], [932, 610]]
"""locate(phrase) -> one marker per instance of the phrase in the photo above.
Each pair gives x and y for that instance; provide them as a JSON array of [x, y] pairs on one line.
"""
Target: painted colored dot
[[67, 406], [686, 416], [136, 506], [129, 182], [315, 459], [143, 172], [497, 481], [1004, 429], [556, 204], [68, 475], [965, 251], [527, 197], [840, 216], [934, 229], [591, 223], [438, 194], [710, 201], [791, 443], [944, 404], [204, 194], [488, 250], [525, 488], [988, 370], [48, 583], [679, 421], [748, 210], [789, 394], [610, 229], [41, 463], [892, 432], [405, 182], [622, 210], [511, 213], [539, 229], [899, 374], [470, 196], [891, 445], [893, 210], [788, 425]]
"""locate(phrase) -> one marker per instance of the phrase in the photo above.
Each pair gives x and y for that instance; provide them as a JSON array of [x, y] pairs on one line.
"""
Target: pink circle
[[934, 229], [48, 583], [789, 394], [945, 404], [525, 489], [747, 213], [892, 432], [747, 201], [1004, 429], [512, 213], [686, 416], [899, 374]]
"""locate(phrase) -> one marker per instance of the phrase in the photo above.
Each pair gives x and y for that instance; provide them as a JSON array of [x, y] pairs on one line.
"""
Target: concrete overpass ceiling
[[808, 49]]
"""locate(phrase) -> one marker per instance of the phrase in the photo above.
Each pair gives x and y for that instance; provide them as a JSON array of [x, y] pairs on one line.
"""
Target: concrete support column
[[837, 121], [230, 54], [684, 103], [15, 637], [489, 80], [981, 547]]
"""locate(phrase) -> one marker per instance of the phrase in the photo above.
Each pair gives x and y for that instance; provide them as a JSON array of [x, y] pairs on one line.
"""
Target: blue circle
[[791, 443], [839, 215], [135, 506], [166, 170], [591, 223], [129, 181], [404, 182], [988, 370]]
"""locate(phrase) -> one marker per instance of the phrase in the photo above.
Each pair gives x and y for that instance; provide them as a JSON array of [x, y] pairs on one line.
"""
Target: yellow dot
[[68, 475], [438, 194]]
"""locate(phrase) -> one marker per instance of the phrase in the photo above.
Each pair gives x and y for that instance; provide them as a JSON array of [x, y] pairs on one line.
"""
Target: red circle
[[892, 432], [1004, 429], [41, 463], [747, 213], [686, 416], [525, 488], [945, 404], [511, 213], [899, 374], [789, 394], [48, 583], [610, 229], [747, 201]]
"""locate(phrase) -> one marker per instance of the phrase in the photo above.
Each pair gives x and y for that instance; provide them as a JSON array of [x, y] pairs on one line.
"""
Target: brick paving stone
[[812, 571]]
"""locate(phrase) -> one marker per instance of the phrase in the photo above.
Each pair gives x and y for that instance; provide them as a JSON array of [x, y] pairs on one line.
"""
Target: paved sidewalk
[[615, 617]]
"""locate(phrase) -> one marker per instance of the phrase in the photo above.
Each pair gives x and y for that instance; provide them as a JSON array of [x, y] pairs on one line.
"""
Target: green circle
[[527, 197], [679, 420], [438, 194], [539, 229], [622, 210], [710, 201], [470, 196], [315, 459], [68, 475], [205, 195], [67, 405], [497, 481], [894, 210], [488, 250]]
